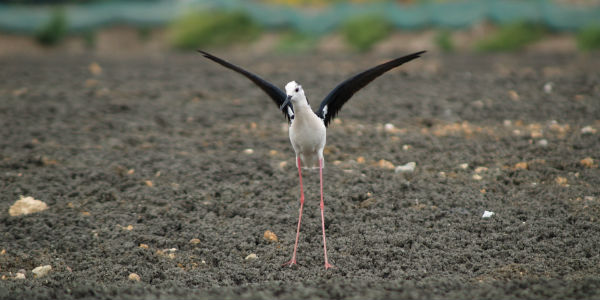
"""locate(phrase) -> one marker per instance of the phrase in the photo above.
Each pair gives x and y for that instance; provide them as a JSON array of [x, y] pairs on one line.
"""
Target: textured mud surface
[[149, 154]]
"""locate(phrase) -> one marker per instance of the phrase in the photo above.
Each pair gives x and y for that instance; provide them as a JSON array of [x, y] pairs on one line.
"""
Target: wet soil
[[145, 167]]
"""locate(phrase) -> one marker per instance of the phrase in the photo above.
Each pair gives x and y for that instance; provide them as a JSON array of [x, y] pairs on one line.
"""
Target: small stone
[[562, 181], [19, 92], [513, 95], [477, 177], [26, 205], [282, 164], [480, 169], [149, 183], [273, 152], [20, 276], [407, 168], [134, 277], [195, 241], [367, 203], [128, 227], [130, 171], [390, 128], [543, 143], [170, 253], [548, 87], [488, 214], [536, 134], [143, 246], [3, 251], [251, 256], [522, 165], [406, 147], [588, 162], [95, 68], [463, 166], [478, 104], [507, 123], [588, 130], [384, 164], [41, 271], [270, 236], [249, 151], [360, 160]]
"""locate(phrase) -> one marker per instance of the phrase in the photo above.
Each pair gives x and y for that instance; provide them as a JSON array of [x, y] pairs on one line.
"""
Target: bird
[[307, 128]]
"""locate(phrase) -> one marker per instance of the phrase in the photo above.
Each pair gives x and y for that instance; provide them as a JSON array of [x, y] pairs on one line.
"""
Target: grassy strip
[[588, 38], [512, 37], [212, 28], [54, 31], [363, 32]]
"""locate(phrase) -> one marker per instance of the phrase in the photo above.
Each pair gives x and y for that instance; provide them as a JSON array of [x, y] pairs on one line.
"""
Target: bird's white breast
[[308, 136]]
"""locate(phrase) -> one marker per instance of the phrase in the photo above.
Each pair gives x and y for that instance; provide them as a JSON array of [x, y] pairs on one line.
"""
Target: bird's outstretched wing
[[274, 92], [344, 91]]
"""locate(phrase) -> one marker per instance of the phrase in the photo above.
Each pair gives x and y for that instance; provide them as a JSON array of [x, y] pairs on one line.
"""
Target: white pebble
[[463, 166], [543, 142], [487, 214], [548, 87], [588, 130], [19, 276], [26, 205], [407, 168], [389, 127], [251, 256], [42, 271], [134, 277], [249, 151], [477, 177]]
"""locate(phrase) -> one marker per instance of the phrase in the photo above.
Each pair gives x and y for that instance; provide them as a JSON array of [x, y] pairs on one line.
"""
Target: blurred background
[[107, 27]]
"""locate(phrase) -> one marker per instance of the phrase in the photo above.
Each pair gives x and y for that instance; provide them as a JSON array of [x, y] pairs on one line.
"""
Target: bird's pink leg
[[293, 260], [327, 265]]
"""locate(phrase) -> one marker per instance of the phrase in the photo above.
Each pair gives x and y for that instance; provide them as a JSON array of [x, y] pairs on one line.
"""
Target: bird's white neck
[[302, 109]]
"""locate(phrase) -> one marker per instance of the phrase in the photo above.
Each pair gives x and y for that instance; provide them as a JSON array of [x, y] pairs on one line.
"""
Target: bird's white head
[[295, 91], [295, 95]]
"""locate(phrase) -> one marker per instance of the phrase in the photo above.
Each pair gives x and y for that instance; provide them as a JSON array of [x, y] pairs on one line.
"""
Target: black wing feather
[[274, 92], [344, 91]]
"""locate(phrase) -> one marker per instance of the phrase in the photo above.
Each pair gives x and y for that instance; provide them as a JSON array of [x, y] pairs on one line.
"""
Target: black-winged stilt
[[307, 128]]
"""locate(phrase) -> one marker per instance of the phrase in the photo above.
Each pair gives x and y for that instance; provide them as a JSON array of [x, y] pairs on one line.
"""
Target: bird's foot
[[328, 266], [290, 263]]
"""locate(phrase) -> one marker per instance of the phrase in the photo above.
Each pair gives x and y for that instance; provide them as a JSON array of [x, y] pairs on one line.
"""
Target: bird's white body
[[307, 131]]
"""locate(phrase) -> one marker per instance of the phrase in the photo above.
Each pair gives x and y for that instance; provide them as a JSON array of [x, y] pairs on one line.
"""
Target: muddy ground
[[136, 156]]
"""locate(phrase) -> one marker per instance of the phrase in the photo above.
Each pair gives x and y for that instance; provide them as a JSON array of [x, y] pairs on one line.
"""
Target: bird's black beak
[[286, 102]]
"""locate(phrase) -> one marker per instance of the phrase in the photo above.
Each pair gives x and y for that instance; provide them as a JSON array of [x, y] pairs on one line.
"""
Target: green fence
[[453, 14]]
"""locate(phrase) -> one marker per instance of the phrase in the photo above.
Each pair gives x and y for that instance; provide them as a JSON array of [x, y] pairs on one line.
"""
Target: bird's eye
[[296, 90]]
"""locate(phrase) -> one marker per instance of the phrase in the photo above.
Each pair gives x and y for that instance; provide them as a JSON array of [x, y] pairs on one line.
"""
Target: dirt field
[[143, 163]]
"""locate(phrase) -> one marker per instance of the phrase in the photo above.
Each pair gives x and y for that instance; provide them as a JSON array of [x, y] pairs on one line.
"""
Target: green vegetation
[[588, 38], [512, 37], [443, 40], [363, 32], [54, 31], [295, 42], [144, 33], [89, 39], [212, 28]]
